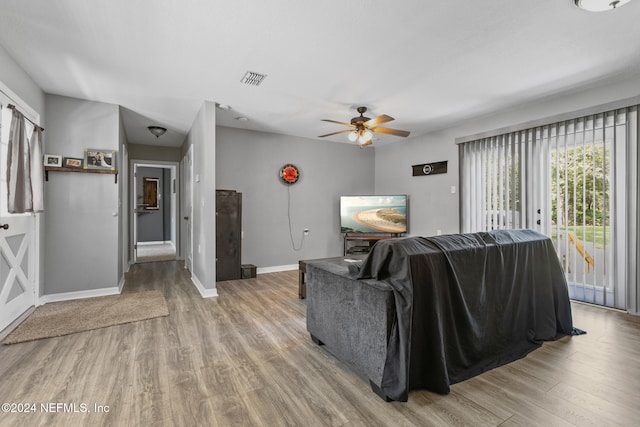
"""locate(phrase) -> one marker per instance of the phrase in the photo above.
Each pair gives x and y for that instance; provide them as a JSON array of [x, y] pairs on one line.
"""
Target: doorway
[[587, 196], [155, 205], [19, 233]]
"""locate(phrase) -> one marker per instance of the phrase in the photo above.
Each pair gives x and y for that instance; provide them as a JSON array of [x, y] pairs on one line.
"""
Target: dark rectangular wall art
[[429, 168]]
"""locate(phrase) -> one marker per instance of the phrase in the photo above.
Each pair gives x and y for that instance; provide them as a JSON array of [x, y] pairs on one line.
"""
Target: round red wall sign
[[289, 174]]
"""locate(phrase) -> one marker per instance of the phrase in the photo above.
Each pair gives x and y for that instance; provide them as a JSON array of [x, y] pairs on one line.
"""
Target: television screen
[[373, 214]]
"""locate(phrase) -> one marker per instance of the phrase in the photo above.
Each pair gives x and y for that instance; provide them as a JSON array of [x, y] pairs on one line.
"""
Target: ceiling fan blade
[[376, 121], [340, 123], [336, 133], [388, 131]]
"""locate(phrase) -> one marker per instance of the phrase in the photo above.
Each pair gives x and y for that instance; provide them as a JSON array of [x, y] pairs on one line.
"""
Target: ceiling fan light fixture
[[599, 5], [157, 131], [364, 137], [363, 128]]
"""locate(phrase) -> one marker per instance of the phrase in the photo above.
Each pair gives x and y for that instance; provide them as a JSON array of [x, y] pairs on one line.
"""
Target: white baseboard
[[67, 296], [121, 284], [204, 292], [277, 268], [154, 242]]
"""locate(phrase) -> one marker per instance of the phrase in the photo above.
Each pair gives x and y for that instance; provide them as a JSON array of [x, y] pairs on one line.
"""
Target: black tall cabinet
[[228, 235]]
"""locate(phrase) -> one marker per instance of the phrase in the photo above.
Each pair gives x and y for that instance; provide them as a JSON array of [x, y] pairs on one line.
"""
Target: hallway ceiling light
[[157, 131], [599, 5]]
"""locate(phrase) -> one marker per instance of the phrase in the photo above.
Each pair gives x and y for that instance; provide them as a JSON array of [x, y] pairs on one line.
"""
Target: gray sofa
[[425, 313]]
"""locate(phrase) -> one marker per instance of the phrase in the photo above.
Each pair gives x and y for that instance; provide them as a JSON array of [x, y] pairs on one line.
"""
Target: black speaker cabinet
[[228, 235]]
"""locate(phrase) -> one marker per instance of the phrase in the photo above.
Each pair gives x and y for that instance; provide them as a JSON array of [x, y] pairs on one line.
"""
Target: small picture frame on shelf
[[72, 162], [99, 159], [53, 160]]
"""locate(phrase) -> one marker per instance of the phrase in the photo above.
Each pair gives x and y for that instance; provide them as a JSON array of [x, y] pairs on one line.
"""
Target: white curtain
[[24, 167], [37, 169]]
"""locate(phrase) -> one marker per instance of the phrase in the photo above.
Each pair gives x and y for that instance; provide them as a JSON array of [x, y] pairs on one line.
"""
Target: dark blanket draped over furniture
[[446, 308]]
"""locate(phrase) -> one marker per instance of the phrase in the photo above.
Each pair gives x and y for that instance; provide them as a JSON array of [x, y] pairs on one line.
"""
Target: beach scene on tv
[[373, 214]]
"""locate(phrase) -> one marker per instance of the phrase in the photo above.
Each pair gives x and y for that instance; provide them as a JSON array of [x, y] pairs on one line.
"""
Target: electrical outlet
[[306, 231], [439, 232]]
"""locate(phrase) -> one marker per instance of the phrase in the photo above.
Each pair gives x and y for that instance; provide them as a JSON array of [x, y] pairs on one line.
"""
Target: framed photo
[[99, 159], [52, 160], [150, 193], [72, 162]]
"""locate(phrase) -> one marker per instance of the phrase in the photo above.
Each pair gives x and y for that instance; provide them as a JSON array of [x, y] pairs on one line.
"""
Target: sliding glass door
[[587, 196], [567, 180]]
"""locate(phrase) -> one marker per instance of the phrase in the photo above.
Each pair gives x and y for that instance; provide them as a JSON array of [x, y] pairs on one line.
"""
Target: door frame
[[175, 204]]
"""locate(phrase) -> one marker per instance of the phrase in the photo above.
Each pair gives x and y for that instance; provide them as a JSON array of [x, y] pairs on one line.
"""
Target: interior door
[[17, 283], [17, 246], [188, 208]]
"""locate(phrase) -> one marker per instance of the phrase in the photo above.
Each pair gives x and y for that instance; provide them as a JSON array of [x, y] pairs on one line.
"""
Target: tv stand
[[361, 244]]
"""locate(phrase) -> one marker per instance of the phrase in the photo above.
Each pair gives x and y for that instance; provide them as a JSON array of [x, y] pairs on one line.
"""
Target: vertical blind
[[575, 181]]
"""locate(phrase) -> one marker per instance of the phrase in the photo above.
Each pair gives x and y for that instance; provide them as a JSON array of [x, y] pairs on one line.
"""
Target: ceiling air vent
[[254, 79]]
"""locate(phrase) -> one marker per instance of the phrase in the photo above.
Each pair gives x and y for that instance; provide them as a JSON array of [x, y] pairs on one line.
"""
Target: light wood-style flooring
[[246, 359]]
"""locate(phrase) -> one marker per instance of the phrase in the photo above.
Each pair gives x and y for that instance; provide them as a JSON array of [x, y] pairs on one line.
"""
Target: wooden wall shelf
[[48, 169]]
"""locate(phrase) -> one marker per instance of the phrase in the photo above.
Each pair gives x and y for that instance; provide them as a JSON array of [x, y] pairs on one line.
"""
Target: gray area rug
[[69, 317]]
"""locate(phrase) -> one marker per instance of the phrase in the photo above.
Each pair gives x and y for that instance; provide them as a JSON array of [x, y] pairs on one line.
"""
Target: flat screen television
[[373, 214]]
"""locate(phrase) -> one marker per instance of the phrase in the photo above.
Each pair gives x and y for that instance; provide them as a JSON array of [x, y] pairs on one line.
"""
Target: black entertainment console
[[361, 244]]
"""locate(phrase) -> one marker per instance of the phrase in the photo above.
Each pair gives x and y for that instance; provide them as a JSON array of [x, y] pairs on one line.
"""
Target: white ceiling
[[428, 64]]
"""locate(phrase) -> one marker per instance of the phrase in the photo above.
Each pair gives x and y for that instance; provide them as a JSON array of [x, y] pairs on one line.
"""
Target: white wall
[[81, 231], [432, 206], [202, 136], [123, 198], [249, 162]]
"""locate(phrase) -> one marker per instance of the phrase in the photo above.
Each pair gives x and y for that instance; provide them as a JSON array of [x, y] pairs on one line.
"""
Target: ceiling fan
[[362, 128]]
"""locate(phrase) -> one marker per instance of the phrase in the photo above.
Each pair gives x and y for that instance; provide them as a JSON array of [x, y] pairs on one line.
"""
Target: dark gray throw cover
[[466, 303]]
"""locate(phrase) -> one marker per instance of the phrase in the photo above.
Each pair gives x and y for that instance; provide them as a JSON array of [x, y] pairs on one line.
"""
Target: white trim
[[277, 268], [92, 293], [121, 284], [204, 292], [25, 108]]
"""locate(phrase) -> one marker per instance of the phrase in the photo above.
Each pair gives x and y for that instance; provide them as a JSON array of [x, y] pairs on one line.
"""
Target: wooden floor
[[245, 358]]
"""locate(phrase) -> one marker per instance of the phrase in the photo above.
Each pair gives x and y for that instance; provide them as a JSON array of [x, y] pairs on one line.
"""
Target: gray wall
[[123, 199], [249, 162], [81, 210], [202, 136], [432, 206], [157, 153]]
